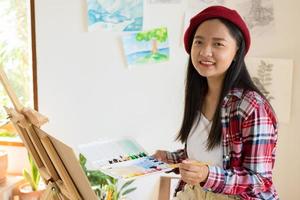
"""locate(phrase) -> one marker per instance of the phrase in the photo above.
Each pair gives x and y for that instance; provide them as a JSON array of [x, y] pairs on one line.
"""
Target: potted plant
[[32, 189], [105, 187]]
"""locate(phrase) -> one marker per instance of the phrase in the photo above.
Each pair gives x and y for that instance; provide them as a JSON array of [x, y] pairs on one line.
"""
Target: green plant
[[105, 187], [5, 133], [6, 128], [33, 175]]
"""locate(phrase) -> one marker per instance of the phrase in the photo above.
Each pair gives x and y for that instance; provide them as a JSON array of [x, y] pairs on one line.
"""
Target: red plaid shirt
[[249, 137]]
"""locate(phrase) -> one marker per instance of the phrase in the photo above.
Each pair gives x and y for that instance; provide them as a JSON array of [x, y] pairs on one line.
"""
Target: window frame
[[14, 142]]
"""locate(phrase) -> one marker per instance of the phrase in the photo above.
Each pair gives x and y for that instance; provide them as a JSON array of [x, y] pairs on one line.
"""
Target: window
[[17, 57]]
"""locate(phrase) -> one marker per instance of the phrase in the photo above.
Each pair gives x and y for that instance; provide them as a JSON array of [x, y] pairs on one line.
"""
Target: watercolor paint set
[[122, 158], [135, 168]]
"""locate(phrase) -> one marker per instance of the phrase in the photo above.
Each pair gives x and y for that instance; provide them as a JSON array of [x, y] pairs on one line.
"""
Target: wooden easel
[[55, 160]]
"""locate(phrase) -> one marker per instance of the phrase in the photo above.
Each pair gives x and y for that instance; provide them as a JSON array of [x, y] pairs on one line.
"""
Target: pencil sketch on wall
[[263, 78], [258, 14], [220, 2], [273, 77], [201, 4]]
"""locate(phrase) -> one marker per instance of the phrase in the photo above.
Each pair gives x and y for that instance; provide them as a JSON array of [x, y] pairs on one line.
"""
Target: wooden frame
[[55, 160], [34, 60], [166, 187], [34, 68]]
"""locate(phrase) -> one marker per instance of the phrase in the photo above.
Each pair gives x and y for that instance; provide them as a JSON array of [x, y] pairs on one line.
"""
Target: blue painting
[[146, 47], [116, 15]]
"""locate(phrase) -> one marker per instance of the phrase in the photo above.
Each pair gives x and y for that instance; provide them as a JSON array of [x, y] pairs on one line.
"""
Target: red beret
[[216, 12]]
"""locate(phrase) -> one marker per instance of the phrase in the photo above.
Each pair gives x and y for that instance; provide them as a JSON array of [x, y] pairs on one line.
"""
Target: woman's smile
[[207, 64]]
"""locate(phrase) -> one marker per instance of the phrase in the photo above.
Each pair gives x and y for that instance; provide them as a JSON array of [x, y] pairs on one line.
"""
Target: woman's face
[[213, 49]]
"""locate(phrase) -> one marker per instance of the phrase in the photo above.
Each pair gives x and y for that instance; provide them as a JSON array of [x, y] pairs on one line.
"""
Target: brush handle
[[198, 163]]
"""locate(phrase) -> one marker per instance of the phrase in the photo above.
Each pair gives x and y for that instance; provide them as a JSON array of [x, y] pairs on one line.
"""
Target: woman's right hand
[[161, 155]]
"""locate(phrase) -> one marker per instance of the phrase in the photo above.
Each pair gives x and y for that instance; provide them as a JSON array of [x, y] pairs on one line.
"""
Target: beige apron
[[197, 193]]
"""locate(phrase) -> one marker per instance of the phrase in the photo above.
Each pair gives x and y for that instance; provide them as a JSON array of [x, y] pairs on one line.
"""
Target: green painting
[[146, 47]]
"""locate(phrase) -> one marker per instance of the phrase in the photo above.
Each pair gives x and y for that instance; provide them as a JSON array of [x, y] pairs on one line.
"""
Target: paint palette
[[139, 167], [123, 158]]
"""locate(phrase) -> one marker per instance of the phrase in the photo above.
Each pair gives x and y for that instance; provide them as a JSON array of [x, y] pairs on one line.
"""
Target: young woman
[[227, 123]]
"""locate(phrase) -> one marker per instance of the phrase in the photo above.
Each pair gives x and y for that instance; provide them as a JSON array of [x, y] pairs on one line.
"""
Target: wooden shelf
[[11, 141]]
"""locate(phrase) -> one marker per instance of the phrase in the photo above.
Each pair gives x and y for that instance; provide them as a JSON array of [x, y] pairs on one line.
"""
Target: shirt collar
[[237, 92]]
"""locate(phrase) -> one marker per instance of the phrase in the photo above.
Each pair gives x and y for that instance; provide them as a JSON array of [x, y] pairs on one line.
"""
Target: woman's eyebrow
[[219, 39], [198, 37], [214, 38]]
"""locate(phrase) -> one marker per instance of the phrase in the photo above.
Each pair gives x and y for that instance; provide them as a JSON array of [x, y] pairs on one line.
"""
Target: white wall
[[87, 91]]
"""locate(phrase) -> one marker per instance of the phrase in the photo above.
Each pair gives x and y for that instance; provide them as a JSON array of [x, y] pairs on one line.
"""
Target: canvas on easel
[[55, 160]]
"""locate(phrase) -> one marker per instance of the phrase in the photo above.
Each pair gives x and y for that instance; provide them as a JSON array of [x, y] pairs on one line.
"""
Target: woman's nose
[[206, 51]]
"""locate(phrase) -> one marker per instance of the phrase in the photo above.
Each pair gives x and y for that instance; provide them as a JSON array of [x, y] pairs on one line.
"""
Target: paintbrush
[[176, 166]]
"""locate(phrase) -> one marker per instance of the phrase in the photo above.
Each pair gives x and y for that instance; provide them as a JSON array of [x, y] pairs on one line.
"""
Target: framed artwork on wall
[[274, 78]]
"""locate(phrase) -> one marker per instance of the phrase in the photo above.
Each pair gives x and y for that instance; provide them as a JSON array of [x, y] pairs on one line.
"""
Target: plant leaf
[[34, 176], [35, 173], [82, 160], [128, 191], [29, 179], [126, 184]]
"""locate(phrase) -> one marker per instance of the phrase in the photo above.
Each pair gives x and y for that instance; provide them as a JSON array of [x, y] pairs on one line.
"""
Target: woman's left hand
[[192, 173]]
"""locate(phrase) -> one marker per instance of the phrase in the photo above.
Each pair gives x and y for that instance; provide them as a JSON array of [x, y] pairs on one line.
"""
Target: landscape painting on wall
[[146, 47], [274, 78], [121, 15]]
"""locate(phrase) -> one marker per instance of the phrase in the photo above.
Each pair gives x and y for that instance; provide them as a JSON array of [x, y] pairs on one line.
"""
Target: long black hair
[[196, 89]]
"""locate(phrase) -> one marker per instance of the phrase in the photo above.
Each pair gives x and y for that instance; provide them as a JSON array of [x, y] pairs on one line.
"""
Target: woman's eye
[[218, 44], [197, 42]]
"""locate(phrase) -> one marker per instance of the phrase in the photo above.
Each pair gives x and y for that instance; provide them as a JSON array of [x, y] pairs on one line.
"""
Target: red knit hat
[[216, 12]]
